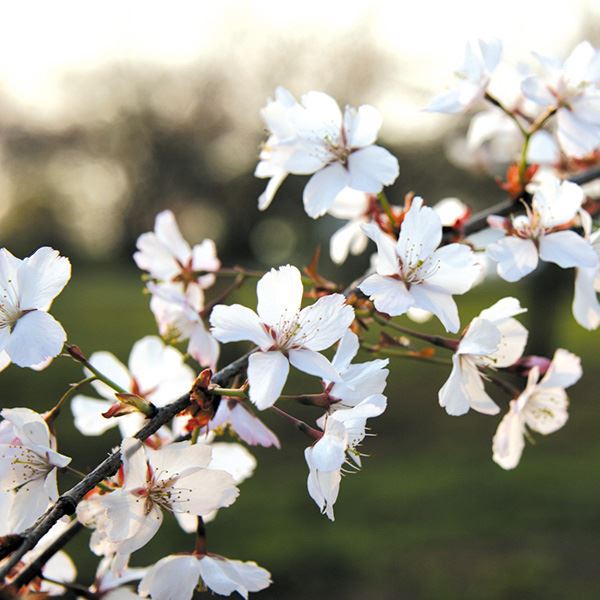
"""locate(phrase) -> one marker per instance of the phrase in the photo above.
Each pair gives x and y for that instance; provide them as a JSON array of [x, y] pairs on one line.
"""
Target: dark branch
[[67, 503]]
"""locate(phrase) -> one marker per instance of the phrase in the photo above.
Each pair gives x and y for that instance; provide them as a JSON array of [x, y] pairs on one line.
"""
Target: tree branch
[[67, 503]]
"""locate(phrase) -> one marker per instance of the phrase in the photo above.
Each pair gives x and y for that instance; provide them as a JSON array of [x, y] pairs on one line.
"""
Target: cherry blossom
[[586, 308], [156, 372], [175, 577], [344, 430], [414, 272], [283, 332], [358, 380], [235, 416], [542, 407], [572, 87], [480, 60], [169, 258], [352, 206], [541, 233], [28, 463], [226, 456], [493, 339], [29, 336], [315, 138], [175, 478], [179, 317]]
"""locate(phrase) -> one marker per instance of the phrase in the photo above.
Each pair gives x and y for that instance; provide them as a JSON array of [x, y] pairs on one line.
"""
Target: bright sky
[[40, 41]]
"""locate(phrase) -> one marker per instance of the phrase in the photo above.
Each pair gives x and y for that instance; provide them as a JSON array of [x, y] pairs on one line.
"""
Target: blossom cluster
[[177, 415]]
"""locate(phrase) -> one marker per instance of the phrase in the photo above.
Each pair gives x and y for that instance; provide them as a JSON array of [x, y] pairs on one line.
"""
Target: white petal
[[313, 363], [501, 310], [267, 374], [438, 302], [546, 410], [323, 486], [41, 277], [167, 231], [246, 425], [346, 351], [371, 168], [557, 203], [177, 458], [457, 268], [171, 578], [323, 323], [265, 199], [322, 189], [279, 295], [361, 125], [348, 239], [420, 235], [516, 257], [233, 458], [88, 415], [577, 137], [567, 249], [153, 256], [387, 259], [225, 576], [389, 295], [30, 502], [134, 463], [564, 370], [586, 308], [238, 323], [482, 337], [509, 442], [464, 389], [534, 89], [36, 337], [203, 347], [202, 492]]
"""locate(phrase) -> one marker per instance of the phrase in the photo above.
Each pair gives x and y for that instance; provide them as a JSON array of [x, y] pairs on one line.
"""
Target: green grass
[[429, 516]]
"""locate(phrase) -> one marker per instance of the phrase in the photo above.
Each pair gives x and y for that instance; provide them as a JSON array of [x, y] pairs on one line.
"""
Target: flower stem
[[300, 425], [393, 352], [230, 392], [509, 113], [436, 340], [387, 209], [73, 387]]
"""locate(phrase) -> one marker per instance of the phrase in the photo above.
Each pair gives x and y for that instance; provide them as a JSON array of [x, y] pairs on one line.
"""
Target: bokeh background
[[113, 111]]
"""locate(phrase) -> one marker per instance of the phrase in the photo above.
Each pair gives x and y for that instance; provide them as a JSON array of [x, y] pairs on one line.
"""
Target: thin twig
[[67, 503]]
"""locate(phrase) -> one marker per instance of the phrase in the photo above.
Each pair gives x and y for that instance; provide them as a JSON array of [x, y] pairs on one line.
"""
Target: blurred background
[[112, 111]]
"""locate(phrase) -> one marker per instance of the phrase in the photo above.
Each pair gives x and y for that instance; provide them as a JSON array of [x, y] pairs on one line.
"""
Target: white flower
[[176, 577], [540, 234], [572, 86], [175, 478], [179, 317], [169, 258], [357, 380], [493, 339], [29, 336], [283, 332], [542, 407], [108, 585], [28, 463], [481, 58], [586, 308], [414, 272], [156, 373], [249, 428], [352, 206], [344, 430], [229, 457], [314, 137]]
